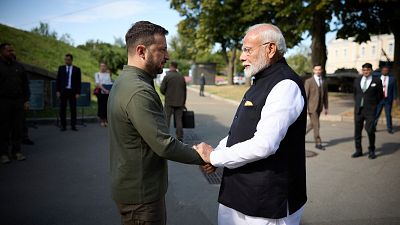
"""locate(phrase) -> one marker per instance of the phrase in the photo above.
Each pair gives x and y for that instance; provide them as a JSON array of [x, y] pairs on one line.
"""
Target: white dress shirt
[[102, 78], [283, 106], [69, 73], [369, 80], [318, 79], [385, 84]]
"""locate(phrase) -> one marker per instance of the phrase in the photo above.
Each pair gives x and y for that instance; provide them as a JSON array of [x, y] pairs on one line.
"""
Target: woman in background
[[104, 83]]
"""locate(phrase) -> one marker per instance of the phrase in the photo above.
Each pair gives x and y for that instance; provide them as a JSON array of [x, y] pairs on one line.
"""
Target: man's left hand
[[77, 96]]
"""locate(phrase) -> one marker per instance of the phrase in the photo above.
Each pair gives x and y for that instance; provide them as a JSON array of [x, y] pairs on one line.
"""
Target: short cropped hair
[[274, 35], [315, 65], [367, 65], [174, 64], [143, 32], [69, 55]]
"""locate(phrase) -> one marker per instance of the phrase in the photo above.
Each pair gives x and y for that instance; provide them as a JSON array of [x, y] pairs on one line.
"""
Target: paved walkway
[[65, 179]]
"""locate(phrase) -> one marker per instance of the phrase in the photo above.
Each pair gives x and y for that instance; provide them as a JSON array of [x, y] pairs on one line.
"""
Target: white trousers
[[228, 216]]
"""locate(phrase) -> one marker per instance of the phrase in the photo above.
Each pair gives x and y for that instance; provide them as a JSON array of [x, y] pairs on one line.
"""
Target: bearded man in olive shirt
[[139, 141]]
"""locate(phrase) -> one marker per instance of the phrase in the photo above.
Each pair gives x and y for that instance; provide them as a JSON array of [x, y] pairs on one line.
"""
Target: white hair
[[270, 35]]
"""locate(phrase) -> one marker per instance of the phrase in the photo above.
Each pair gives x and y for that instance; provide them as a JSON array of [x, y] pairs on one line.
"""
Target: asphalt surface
[[65, 179]]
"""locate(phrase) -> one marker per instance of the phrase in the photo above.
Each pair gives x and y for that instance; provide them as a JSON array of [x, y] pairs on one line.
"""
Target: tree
[[44, 30], [211, 22], [112, 55], [67, 39], [301, 62], [361, 18], [224, 22]]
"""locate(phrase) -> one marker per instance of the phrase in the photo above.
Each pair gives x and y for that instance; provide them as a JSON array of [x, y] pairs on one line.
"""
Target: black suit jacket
[[62, 79], [372, 96]]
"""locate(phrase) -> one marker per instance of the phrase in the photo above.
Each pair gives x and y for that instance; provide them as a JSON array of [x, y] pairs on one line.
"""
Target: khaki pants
[[314, 124], [153, 213]]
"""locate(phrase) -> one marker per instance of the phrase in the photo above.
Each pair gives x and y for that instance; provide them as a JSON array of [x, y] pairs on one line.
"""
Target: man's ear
[[271, 50], [140, 51]]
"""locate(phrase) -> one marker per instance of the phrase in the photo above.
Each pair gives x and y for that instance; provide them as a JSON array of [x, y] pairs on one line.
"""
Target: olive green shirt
[[139, 140]]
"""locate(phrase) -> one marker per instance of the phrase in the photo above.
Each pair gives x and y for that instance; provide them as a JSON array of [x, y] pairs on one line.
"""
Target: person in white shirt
[[263, 156], [367, 92], [389, 84], [103, 84]]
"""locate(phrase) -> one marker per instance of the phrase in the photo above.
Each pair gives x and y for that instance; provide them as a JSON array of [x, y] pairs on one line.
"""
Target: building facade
[[349, 54]]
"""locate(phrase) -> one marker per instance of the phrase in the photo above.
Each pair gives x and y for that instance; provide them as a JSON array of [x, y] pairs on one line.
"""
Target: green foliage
[[44, 30], [112, 55], [300, 63], [46, 52]]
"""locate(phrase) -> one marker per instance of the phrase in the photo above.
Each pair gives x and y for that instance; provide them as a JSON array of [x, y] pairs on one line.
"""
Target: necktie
[[364, 88], [384, 86]]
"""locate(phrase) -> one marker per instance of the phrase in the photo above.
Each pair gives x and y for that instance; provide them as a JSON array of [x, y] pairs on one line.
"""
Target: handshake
[[204, 150]]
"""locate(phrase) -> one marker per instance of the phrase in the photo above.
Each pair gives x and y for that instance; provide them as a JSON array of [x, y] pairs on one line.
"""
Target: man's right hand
[[204, 150], [58, 94]]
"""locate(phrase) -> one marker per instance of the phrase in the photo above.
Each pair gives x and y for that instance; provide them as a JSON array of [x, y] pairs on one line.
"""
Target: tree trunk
[[231, 66], [318, 46]]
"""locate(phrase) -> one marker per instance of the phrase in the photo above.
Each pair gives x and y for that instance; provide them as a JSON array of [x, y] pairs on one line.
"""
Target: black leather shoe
[[63, 129], [74, 129], [356, 154], [371, 155], [390, 132], [320, 147]]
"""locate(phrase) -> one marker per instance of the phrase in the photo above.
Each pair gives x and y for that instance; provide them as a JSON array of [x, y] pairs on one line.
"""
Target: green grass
[[46, 52]]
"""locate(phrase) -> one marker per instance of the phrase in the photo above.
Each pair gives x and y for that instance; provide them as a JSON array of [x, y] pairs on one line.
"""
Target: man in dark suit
[[367, 94], [317, 98], [68, 89], [173, 87], [389, 84]]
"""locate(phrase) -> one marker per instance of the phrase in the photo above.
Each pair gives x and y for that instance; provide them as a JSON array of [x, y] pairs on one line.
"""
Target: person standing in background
[[68, 84], [14, 96], [202, 83], [173, 87], [317, 98], [103, 82], [389, 84], [367, 91]]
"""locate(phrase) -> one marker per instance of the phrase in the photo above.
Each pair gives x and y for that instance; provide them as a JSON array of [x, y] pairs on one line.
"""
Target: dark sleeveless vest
[[264, 187]]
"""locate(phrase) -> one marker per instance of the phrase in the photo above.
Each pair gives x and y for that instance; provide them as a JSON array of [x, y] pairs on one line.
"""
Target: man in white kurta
[[283, 106]]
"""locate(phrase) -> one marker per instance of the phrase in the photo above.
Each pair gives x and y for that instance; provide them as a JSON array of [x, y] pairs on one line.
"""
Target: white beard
[[257, 66]]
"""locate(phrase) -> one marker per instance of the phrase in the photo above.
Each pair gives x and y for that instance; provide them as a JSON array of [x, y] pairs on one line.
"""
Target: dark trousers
[[359, 119], [388, 113], [201, 89], [11, 122], [314, 125], [102, 106], [177, 111], [153, 213], [67, 96]]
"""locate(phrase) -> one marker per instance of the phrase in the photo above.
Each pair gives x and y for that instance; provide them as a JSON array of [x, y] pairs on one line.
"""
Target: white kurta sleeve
[[282, 107]]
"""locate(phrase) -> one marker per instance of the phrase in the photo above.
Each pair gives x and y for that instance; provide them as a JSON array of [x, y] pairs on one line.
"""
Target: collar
[[270, 70], [140, 73]]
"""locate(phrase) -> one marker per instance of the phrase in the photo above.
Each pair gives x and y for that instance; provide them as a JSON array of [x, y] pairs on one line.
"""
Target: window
[[373, 50], [362, 51], [390, 48], [344, 52], [336, 52]]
